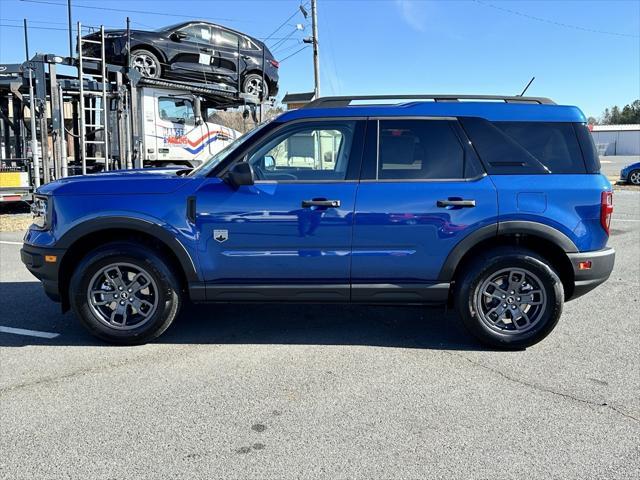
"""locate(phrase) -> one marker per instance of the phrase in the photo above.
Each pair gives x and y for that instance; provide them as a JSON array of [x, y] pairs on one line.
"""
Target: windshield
[[175, 26], [215, 160]]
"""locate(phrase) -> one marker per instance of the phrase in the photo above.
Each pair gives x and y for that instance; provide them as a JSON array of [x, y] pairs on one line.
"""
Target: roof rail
[[345, 101]]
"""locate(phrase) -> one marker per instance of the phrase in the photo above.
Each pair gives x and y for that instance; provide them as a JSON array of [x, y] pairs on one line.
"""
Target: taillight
[[606, 210], [275, 63]]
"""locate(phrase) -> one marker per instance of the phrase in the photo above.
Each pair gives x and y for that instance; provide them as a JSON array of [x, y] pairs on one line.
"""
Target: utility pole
[[70, 29], [316, 60]]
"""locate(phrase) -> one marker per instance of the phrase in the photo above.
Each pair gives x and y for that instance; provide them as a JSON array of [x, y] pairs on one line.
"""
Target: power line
[[553, 22], [48, 22], [281, 41], [35, 27], [145, 12], [280, 51], [294, 53], [285, 22]]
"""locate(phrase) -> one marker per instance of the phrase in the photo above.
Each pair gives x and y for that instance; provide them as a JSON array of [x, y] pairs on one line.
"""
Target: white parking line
[[624, 220], [10, 243], [28, 333]]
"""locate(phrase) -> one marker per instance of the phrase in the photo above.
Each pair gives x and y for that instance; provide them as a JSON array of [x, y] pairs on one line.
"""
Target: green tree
[[629, 114]]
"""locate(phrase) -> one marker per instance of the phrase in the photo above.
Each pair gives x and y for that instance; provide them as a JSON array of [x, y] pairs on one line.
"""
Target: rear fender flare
[[494, 231]]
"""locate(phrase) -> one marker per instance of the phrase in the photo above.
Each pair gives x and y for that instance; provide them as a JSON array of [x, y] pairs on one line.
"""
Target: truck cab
[[174, 133]]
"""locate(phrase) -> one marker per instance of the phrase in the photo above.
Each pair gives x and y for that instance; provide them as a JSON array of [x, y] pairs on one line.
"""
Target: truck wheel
[[146, 63], [125, 293], [509, 298]]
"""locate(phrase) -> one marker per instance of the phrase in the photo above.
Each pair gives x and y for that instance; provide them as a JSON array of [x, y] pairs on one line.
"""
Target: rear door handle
[[455, 203], [206, 50], [321, 203]]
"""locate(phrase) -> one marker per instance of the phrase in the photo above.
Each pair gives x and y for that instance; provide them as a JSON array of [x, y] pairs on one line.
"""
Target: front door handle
[[455, 203], [206, 50], [320, 203]]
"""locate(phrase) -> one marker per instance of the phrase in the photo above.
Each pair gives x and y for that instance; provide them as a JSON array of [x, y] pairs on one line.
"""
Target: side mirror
[[197, 111], [177, 36], [269, 162], [240, 174]]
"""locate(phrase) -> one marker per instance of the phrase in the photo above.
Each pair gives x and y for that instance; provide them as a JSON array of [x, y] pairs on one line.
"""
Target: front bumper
[[624, 176], [586, 280], [35, 259]]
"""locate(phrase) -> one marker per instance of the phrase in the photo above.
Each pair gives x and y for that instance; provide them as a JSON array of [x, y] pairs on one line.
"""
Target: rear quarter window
[[526, 147]]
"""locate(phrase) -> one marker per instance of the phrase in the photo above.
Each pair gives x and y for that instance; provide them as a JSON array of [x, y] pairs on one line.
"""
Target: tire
[[478, 302], [253, 85], [147, 312], [146, 63], [634, 177]]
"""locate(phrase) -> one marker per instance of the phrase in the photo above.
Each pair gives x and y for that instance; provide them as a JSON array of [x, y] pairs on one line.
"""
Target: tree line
[[629, 114]]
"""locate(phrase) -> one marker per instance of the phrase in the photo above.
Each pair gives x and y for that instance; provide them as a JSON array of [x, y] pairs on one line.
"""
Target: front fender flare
[[135, 224]]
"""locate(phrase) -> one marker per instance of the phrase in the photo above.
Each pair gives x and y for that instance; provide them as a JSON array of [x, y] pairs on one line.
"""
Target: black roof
[[298, 97]]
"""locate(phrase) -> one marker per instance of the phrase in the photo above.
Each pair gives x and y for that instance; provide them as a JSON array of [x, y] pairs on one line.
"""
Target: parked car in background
[[497, 208], [631, 174], [194, 51]]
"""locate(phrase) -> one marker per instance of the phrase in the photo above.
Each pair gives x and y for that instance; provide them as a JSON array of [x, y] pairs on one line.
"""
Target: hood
[[119, 182]]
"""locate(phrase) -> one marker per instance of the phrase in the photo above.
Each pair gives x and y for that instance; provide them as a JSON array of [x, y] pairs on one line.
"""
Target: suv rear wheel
[[253, 84], [125, 293], [509, 298]]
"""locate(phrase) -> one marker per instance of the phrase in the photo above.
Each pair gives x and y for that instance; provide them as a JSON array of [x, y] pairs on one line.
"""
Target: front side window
[[199, 33], [176, 110], [419, 149], [306, 153]]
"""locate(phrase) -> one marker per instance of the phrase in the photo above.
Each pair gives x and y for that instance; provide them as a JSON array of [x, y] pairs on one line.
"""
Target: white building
[[617, 139]]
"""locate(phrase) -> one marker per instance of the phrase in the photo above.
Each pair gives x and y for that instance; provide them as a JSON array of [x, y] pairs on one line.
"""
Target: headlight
[[40, 212]]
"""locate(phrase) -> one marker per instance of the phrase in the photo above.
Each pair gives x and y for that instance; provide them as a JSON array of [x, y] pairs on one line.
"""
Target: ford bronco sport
[[492, 204]]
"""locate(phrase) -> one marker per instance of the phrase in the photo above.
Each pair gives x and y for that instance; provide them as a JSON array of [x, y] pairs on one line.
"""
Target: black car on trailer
[[198, 51]]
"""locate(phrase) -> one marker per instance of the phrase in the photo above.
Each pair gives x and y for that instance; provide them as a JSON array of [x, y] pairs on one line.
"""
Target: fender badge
[[221, 235]]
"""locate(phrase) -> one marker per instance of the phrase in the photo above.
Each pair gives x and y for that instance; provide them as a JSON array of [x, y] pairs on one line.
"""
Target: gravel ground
[[324, 391]]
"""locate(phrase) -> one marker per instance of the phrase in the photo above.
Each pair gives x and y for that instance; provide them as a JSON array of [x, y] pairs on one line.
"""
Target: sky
[[584, 53]]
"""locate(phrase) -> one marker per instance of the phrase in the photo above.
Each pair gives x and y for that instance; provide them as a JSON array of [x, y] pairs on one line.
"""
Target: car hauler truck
[[105, 117]]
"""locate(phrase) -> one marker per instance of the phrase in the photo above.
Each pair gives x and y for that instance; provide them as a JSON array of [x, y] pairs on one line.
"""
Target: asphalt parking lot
[[324, 391]]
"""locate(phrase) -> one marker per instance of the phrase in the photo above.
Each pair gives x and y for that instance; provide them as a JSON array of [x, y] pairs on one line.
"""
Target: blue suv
[[495, 205]]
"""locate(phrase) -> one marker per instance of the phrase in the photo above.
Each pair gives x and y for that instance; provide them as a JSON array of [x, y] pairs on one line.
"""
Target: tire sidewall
[[265, 84], [486, 267], [153, 56], [169, 299]]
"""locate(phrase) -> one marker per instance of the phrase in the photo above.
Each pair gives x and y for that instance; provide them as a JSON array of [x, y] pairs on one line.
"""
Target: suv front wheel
[[125, 293], [509, 297]]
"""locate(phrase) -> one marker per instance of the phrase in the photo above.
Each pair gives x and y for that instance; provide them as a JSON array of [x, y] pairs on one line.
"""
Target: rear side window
[[526, 147], [419, 149]]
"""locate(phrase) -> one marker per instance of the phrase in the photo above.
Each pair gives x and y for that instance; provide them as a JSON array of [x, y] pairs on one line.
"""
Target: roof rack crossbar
[[345, 101]]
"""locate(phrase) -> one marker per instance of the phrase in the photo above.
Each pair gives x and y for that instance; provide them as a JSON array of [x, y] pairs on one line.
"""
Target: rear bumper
[[585, 280], [45, 271]]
